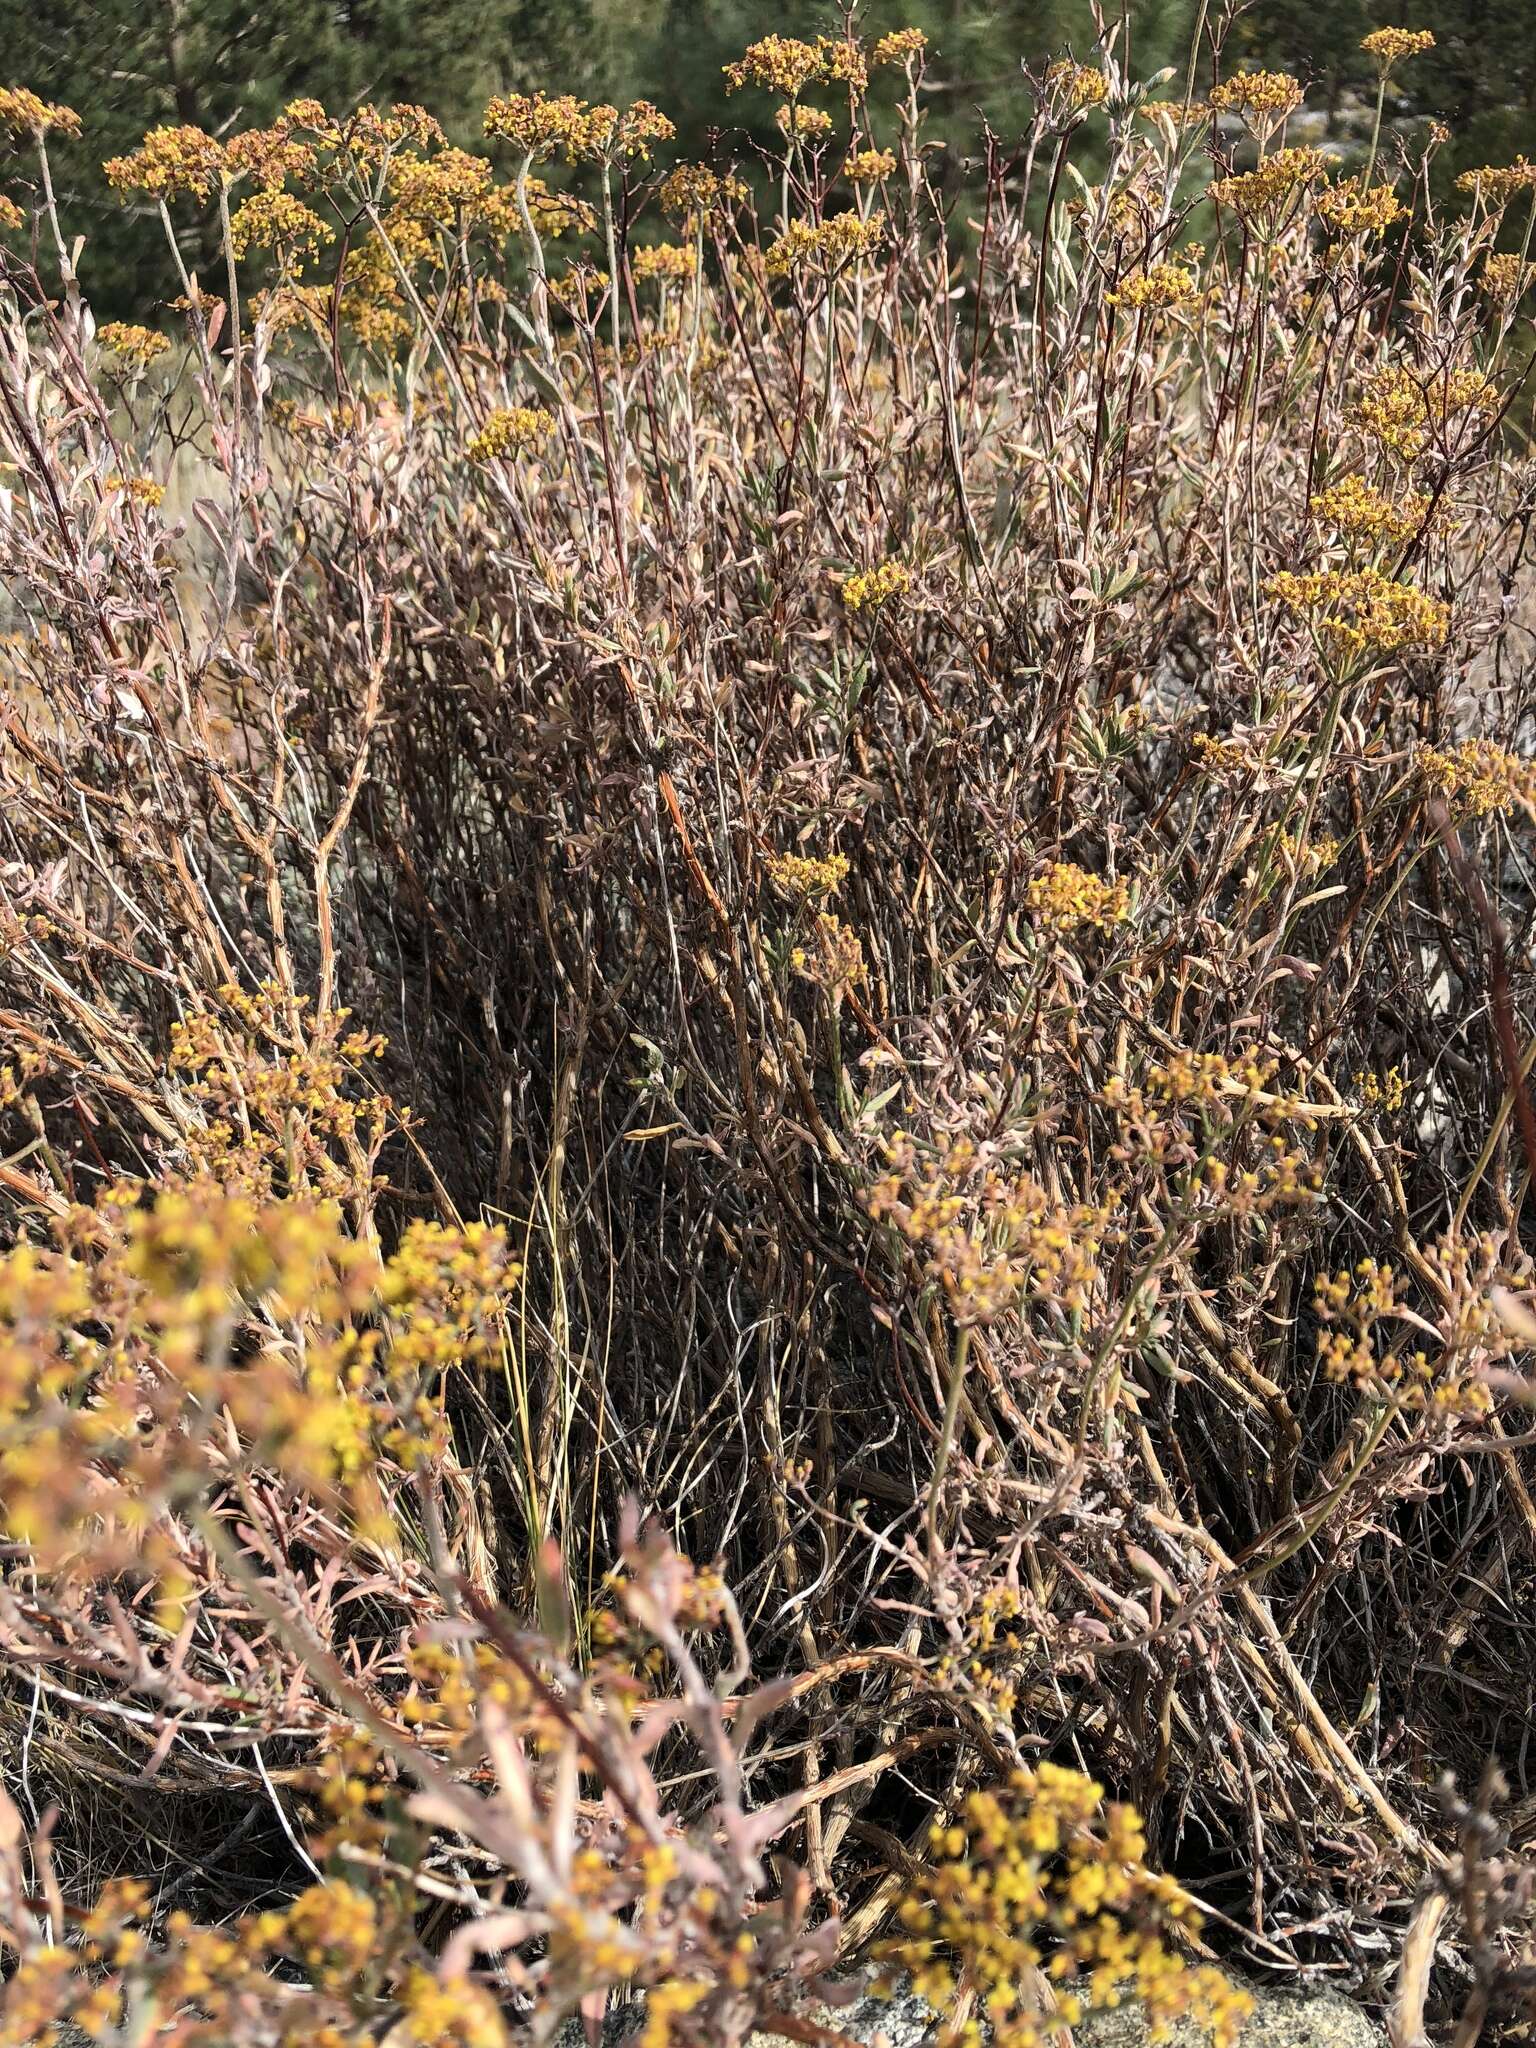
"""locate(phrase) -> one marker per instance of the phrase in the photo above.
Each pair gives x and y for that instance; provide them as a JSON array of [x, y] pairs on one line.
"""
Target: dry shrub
[[932, 818]]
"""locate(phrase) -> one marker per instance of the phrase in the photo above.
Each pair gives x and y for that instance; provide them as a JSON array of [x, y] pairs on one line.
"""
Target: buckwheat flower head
[[1496, 184], [663, 261], [842, 62], [1065, 898], [1406, 411], [834, 960], [509, 431], [1261, 97], [900, 46], [269, 156], [1359, 512], [1391, 46], [278, 220], [692, 191], [1364, 610], [1080, 85], [171, 163], [867, 590], [1164, 284], [541, 125], [807, 124], [1506, 276], [1174, 113], [783, 64], [1353, 208], [11, 215], [442, 187], [843, 239], [132, 344], [800, 874], [24, 113], [1265, 191], [1477, 777], [869, 166]]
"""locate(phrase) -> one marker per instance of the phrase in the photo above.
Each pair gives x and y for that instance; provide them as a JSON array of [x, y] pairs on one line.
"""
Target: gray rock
[[1282, 2018], [1289, 2018]]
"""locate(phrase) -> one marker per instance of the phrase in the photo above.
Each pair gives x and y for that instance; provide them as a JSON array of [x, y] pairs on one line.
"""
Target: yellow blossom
[[1359, 512], [1263, 193], [661, 261], [843, 239], [132, 344], [1079, 85], [867, 590], [1362, 609], [171, 163], [899, 46], [510, 430], [1263, 98], [1352, 208], [1391, 46]]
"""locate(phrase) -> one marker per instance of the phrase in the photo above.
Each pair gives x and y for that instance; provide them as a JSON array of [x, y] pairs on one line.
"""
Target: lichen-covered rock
[[901, 2021], [1282, 2018], [1289, 2018]]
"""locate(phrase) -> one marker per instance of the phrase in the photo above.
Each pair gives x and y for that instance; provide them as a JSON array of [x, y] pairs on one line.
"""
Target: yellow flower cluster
[[539, 125], [1261, 97], [805, 124], [1406, 411], [133, 344], [845, 238], [834, 960], [899, 46], [1155, 289], [1265, 191], [1391, 46], [799, 874], [1169, 1118], [278, 221], [786, 65], [1364, 610], [869, 166], [23, 113], [1039, 1875], [692, 191], [1478, 778], [270, 156], [1387, 1091], [447, 2012], [868, 589], [171, 163], [989, 1238], [1353, 208], [1313, 858], [1078, 85], [1506, 276], [510, 430], [663, 262], [12, 219], [142, 489], [275, 1089], [1065, 898], [1361, 513], [1496, 184], [1351, 1346]]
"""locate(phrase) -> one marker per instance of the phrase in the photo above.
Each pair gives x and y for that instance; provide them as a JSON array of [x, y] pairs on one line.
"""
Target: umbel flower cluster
[[765, 849], [1043, 1857]]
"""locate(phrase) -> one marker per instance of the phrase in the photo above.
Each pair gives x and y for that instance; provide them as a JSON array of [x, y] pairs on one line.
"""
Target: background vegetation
[[222, 64]]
